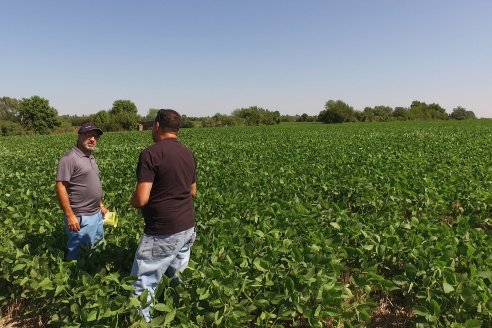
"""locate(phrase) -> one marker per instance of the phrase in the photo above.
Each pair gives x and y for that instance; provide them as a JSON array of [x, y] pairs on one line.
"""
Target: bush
[[8, 128]]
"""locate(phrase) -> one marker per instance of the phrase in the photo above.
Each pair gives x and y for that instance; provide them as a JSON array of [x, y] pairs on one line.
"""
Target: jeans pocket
[[164, 247], [192, 239]]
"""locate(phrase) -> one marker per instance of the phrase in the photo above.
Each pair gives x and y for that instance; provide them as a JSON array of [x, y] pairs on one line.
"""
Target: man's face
[[87, 141]]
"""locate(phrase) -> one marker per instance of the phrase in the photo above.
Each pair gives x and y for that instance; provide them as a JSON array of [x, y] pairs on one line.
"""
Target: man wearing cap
[[79, 192]]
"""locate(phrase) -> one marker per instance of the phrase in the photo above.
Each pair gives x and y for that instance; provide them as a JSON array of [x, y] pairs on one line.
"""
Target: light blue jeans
[[91, 231], [159, 255]]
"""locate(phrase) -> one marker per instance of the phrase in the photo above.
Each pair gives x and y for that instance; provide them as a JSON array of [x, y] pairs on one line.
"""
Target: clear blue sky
[[204, 57]]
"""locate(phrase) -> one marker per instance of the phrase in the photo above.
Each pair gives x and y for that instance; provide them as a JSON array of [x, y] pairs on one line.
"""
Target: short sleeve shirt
[[81, 173], [170, 166]]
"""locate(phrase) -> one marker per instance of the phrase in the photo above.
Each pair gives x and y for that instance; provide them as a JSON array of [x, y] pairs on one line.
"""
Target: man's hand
[[73, 223], [104, 210]]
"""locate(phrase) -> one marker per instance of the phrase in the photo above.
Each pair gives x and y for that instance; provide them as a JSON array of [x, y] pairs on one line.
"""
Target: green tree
[[269, 117], [76, 120], [222, 120], [250, 115], [124, 116], [289, 118], [460, 113], [337, 112], [37, 115], [123, 106], [9, 128], [123, 122], [186, 122], [367, 115], [9, 109], [255, 115], [401, 113], [419, 111], [437, 112], [151, 114], [383, 113], [102, 119]]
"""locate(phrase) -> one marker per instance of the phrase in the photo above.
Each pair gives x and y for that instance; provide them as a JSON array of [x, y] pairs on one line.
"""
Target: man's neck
[[85, 151], [168, 135]]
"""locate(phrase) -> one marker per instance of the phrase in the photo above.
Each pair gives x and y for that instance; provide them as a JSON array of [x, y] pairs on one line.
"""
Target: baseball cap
[[86, 127]]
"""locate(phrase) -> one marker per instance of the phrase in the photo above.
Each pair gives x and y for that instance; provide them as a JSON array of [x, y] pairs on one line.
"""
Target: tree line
[[34, 115], [337, 111]]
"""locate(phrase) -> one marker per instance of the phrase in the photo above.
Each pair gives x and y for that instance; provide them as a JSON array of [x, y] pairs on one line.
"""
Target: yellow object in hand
[[110, 218]]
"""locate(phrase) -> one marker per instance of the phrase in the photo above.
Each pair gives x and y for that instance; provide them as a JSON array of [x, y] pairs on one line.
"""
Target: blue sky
[[206, 57]]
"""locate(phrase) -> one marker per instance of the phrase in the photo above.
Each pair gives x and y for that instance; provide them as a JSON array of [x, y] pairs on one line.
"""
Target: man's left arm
[[141, 194]]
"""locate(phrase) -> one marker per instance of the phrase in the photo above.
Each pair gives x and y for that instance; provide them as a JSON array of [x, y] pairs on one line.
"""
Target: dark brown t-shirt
[[171, 167]]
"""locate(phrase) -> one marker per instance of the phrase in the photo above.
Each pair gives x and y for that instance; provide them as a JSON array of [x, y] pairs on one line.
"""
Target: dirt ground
[[7, 319]]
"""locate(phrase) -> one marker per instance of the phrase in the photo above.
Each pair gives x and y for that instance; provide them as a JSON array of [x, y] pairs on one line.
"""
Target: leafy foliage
[[9, 109], [340, 112], [37, 115], [297, 225], [255, 115], [337, 112], [460, 113]]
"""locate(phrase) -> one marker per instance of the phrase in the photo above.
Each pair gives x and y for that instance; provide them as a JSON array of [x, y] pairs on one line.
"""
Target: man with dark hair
[[79, 192], [166, 186]]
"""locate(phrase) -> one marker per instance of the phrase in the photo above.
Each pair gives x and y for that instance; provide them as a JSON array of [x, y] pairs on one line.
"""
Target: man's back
[[170, 166]]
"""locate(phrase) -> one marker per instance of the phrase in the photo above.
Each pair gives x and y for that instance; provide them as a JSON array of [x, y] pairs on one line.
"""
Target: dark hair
[[169, 120]]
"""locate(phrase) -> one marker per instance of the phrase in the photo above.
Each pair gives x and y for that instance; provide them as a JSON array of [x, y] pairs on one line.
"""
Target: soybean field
[[301, 225]]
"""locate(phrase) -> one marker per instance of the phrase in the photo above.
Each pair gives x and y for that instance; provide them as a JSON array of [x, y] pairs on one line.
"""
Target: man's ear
[[157, 126]]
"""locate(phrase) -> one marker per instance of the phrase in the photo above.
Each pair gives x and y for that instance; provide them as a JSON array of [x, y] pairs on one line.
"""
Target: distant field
[[298, 225]]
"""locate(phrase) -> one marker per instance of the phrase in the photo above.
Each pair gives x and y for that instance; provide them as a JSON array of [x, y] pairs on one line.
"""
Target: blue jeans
[[91, 231], [159, 255]]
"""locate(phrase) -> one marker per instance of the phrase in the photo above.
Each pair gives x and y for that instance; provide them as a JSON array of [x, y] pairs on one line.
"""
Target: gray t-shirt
[[82, 175]]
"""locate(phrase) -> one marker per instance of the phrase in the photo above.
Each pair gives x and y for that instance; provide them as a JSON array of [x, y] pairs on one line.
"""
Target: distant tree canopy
[[460, 113], [186, 122], [339, 112], [123, 107], [37, 115], [376, 114], [151, 114], [255, 115], [122, 116], [9, 117], [102, 119], [250, 116], [401, 114], [76, 120], [422, 111], [9, 109], [305, 118]]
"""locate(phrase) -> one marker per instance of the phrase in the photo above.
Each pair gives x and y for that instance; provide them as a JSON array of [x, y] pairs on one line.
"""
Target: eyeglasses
[[91, 134]]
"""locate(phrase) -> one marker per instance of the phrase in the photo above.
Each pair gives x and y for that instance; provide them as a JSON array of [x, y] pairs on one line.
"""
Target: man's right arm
[[63, 200], [193, 190]]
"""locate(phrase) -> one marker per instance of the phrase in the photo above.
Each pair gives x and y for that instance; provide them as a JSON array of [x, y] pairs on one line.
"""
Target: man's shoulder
[[182, 146], [150, 149], [69, 154], [166, 146]]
